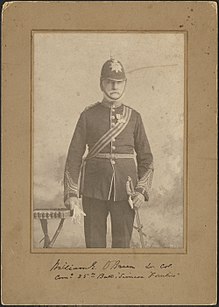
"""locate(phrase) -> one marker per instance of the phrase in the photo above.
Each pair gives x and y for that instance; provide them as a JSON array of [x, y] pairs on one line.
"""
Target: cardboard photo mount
[[188, 277]]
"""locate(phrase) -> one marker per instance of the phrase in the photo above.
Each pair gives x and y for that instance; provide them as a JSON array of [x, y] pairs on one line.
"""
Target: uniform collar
[[109, 104]]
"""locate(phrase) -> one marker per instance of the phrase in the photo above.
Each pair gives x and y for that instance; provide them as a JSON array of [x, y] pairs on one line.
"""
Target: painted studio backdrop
[[66, 77]]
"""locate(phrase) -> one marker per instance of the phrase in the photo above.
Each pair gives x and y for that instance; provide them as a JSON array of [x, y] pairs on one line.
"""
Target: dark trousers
[[95, 222]]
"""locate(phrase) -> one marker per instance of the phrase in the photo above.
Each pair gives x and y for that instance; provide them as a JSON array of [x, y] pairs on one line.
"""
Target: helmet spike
[[111, 57]]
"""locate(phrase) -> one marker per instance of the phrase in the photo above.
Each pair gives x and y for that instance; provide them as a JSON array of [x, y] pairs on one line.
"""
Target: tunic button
[[113, 139], [113, 147], [113, 117], [113, 162]]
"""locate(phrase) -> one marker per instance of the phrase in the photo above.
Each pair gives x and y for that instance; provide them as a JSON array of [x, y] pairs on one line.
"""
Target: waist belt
[[114, 156]]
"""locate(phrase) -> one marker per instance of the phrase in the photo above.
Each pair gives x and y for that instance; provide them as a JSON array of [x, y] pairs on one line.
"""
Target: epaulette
[[91, 106], [129, 107]]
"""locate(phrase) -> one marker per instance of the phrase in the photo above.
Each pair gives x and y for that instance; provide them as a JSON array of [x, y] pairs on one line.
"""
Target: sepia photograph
[[108, 139], [109, 153]]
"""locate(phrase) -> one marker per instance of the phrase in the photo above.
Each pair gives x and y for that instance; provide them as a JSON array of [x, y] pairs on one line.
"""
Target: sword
[[131, 192]]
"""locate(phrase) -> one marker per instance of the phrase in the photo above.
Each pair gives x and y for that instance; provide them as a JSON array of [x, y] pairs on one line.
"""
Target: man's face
[[113, 89]]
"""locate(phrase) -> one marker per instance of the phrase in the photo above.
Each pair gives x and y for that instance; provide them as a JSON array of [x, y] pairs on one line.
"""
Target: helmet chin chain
[[111, 98]]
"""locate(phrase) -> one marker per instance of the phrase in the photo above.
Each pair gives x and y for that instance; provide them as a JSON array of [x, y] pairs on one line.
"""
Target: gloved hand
[[73, 204], [138, 200]]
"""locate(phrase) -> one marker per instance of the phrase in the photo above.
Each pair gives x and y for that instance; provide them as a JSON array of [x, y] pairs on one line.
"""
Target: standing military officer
[[118, 148]]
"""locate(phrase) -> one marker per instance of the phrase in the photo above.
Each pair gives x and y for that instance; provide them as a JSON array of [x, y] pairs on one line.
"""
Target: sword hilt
[[130, 191], [130, 186]]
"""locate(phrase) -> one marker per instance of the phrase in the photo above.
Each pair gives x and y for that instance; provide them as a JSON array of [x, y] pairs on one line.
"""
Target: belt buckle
[[114, 156]]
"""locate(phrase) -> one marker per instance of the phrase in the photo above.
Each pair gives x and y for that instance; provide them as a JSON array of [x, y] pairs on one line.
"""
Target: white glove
[[138, 200], [73, 204]]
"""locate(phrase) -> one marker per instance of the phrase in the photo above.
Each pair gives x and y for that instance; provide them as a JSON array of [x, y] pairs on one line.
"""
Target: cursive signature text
[[116, 264], [69, 267], [113, 269]]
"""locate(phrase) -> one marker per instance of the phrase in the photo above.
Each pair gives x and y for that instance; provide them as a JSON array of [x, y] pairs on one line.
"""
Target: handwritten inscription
[[154, 274], [112, 269], [116, 264], [69, 267]]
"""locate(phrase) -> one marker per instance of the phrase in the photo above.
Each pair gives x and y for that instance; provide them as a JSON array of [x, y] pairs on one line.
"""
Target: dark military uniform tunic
[[93, 123], [123, 150]]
